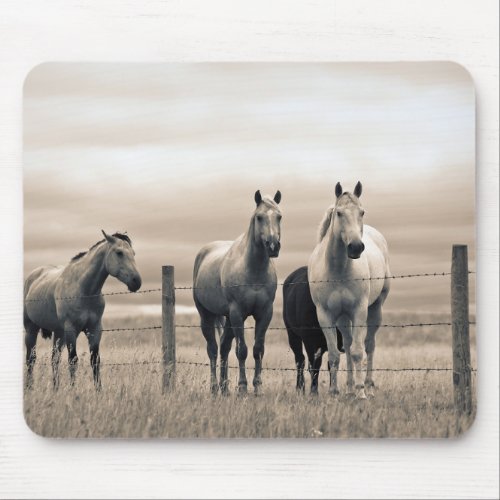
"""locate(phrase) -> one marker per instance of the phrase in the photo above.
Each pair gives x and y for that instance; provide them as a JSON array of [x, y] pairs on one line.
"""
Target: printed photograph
[[249, 250]]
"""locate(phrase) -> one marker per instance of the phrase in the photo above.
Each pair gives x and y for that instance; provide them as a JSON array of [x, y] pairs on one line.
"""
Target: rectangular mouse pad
[[247, 250]]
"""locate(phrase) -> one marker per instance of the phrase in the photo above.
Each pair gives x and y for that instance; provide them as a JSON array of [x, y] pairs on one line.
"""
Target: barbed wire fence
[[460, 323]]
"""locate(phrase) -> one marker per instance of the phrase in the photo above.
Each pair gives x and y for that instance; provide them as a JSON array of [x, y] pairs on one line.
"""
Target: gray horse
[[234, 280], [67, 300]]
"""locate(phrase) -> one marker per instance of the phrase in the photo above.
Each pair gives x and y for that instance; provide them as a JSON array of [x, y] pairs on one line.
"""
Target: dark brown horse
[[301, 321]]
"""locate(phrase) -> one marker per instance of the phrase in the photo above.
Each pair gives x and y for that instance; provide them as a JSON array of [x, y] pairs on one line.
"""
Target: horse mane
[[121, 236], [268, 202], [325, 223], [327, 218], [78, 256]]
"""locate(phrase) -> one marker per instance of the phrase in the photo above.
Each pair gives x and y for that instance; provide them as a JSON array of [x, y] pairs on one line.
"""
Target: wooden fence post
[[168, 327], [462, 390]]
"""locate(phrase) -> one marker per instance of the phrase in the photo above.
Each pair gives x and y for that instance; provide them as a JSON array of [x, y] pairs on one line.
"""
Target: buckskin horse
[[66, 300]]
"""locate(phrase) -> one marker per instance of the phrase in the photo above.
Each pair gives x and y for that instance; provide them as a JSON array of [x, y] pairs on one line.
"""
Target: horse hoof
[[257, 387], [361, 396], [334, 393], [370, 393], [242, 390]]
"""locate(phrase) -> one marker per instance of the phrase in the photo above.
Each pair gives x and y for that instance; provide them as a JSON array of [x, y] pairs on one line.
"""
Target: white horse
[[348, 274], [67, 300], [237, 279]]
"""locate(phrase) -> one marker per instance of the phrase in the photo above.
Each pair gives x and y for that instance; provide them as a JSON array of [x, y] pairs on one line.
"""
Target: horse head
[[267, 220], [120, 261], [348, 220]]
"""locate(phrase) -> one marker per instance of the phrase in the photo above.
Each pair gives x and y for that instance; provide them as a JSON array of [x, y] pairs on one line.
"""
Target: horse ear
[[258, 197], [277, 196], [358, 189], [338, 190], [109, 238]]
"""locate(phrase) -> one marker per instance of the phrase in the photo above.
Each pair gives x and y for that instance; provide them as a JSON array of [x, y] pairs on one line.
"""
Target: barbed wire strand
[[407, 325], [153, 290], [269, 368], [346, 280], [107, 294], [286, 369], [135, 329], [383, 325], [386, 325]]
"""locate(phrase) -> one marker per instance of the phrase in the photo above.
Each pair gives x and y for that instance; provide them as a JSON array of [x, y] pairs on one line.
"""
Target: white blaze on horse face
[[120, 263], [272, 229]]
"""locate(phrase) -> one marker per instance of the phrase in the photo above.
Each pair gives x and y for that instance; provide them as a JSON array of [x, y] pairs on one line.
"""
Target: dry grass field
[[131, 403]]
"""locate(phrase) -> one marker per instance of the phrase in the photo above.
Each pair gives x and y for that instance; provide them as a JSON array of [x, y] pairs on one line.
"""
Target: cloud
[[173, 154]]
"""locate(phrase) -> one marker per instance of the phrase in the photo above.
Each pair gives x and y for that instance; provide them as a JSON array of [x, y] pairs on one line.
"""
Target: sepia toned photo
[[249, 250]]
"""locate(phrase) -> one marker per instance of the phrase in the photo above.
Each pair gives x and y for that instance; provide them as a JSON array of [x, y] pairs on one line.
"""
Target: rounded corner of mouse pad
[[249, 250]]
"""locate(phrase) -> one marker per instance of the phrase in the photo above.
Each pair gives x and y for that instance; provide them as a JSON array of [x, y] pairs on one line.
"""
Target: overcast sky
[[173, 153]]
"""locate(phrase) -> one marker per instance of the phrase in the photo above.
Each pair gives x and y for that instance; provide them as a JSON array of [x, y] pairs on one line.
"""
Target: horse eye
[[119, 253], [259, 218], [279, 217], [340, 214], [362, 213]]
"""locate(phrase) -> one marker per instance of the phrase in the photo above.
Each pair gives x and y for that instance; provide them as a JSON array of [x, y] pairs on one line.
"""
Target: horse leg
[[359, 330], [57, 345], [30, 336], [261, 324], [350, 371], [327, 323], [208, 329], [94, 339], [374, 320], [237, 324], [314, 368], [295, 343], [344, 325], [225, 348], [70, 336]]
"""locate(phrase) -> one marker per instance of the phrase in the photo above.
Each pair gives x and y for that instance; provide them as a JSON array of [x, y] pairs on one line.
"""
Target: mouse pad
[[249, 250]]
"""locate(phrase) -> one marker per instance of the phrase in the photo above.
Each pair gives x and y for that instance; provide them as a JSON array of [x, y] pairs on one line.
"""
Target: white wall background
[[69, 30]]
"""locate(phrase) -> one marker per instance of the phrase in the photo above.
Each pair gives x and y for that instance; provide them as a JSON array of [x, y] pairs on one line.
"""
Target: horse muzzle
[[134, 284], [355, 249], [273, 248]]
